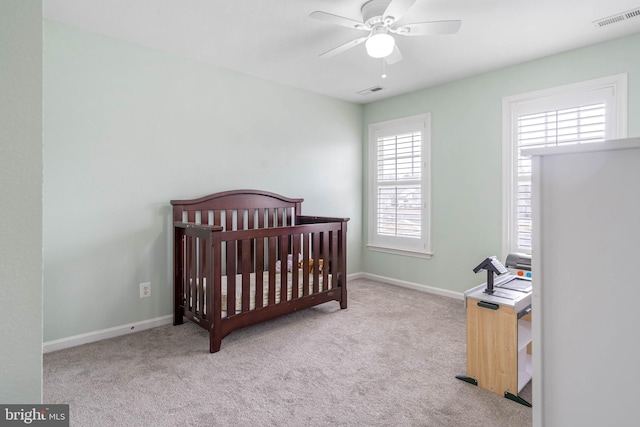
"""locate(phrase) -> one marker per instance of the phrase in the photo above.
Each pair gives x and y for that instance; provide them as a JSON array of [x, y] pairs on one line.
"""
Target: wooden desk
[[499, 341]]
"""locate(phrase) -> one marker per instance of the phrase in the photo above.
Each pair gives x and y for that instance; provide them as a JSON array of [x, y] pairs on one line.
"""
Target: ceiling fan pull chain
[[384, 73]]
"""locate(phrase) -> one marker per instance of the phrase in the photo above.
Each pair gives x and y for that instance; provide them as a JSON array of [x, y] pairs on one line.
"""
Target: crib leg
[[178, 315], [343, 296], [214, 342], [177, 320]]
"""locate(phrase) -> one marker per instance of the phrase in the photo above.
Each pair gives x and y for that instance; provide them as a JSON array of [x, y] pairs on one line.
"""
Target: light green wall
[[466, 156], [21, 201], [127, 129]]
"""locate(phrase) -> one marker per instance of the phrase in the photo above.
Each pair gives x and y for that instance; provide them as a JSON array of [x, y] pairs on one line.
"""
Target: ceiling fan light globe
[[380, 45]]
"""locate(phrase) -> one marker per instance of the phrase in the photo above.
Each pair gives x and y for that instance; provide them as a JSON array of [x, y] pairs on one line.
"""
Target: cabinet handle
[[489, 305], [524, 312]]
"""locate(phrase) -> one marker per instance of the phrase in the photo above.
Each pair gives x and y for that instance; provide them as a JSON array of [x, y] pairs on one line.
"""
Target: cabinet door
[[492, 347]]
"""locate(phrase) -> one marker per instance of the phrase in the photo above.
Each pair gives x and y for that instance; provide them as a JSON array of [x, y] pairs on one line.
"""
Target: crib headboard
[[239, 210]]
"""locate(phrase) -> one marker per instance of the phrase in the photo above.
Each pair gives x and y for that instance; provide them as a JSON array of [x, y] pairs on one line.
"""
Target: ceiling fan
[[378, 18]]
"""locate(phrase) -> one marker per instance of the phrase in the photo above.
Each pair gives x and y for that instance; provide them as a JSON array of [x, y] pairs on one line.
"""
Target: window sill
[[403, 252]]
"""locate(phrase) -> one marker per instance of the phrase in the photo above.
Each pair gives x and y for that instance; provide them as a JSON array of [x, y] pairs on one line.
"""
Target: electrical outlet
[[145, 289]]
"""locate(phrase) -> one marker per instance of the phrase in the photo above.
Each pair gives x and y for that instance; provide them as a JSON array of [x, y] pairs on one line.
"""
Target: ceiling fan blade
[[343, 47], [396, 9], [339, 20], [395, 56], [429, 28]]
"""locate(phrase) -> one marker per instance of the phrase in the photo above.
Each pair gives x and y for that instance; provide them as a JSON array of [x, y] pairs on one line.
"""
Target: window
[[399, 186], [585, 112]]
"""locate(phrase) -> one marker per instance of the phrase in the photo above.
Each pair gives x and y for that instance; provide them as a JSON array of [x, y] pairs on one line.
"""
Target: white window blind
[[399, 205], [577, 125], [578, 113], [399, 186]]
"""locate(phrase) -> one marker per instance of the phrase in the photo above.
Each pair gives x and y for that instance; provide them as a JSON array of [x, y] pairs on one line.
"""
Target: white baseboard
[[103, 334], [116, 331], [409, 285], [354, 276]]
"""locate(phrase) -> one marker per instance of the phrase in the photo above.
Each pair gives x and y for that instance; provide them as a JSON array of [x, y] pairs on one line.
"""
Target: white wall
[[21, 201], [127, 129]]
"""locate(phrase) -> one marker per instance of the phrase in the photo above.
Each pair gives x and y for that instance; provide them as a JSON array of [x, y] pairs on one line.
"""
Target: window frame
[[420, 247], [611, 90]]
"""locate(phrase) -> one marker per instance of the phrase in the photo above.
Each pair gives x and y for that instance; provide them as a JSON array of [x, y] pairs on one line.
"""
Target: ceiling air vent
[[370, 90], [633, 13]]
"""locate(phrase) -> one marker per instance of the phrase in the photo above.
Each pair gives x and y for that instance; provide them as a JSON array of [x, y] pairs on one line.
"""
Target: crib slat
[[259, 257], [202, 275], [316, 261], [245, 251], [273, 221], [334, 258], [231, 278], [229, 220], [289, 216], [284, 251], [325, 257], [250, 215], [305, 264], [208, 269], [191, 217], [194, 274], [295, 279], [273, 254], [190, 270]]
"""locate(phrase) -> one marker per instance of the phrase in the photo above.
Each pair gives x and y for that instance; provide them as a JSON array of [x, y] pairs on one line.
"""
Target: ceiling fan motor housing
[[373, 11]]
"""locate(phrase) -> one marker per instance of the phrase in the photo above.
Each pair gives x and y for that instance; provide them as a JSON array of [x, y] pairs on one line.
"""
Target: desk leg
[[515, 398], [467, 379]]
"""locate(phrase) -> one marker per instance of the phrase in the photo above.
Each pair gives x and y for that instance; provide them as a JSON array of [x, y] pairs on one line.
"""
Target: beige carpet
[[390, 359]]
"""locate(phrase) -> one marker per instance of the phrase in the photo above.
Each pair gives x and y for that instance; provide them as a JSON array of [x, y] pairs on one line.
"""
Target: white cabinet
[[525, 361], [586, 264]]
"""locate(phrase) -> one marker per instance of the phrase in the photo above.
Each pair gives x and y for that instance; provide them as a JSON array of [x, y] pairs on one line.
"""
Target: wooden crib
[[245, 256]]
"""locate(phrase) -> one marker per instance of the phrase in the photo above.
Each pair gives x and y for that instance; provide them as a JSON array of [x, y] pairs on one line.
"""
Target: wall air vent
[[370, 90], [633, 13]]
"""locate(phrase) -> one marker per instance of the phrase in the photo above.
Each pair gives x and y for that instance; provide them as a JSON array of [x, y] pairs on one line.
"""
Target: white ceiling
[[276, 40]]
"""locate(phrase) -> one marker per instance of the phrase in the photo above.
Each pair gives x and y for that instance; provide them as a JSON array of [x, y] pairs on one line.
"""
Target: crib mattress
[[265, 289]]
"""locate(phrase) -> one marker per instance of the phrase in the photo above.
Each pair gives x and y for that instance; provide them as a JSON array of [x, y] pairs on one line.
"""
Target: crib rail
[[267, 266], [299, 261]]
